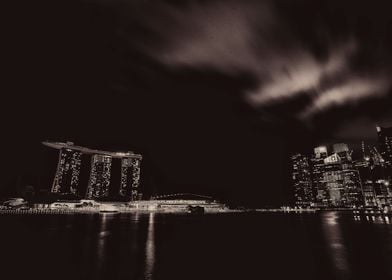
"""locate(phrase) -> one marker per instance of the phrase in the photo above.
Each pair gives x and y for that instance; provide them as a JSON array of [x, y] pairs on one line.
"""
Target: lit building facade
[[369, 195], [376, 180], [365, 167], [385, 143], [135, 178], [383, 193], [126, 177], [67, 175], [333, 181], [302, 181], [353, 190], [327, 180], [66, 179], [130, 178], [318, 168], [98, 185], [339, 181]]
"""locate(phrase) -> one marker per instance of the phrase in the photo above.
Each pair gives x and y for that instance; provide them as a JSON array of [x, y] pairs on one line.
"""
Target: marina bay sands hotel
[[66, 179]]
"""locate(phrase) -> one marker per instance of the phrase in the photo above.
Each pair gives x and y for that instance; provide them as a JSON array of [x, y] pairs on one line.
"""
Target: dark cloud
[[279, 44]]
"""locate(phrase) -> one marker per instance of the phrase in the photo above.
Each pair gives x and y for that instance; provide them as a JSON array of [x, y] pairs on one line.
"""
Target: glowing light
[[150, 249], [336, 246]]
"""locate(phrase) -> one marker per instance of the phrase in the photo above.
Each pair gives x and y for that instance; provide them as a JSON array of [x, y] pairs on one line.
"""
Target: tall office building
[[67, 174], [126, 177], [369, 195], [382, 170], [375, 180], [317, 167], [340, 148], [341, 179], [98, 185], [353, 190], [333, 181], [385, 143], [320, 152], [68, 171], [135, 178], [130, 178], [383, 193], [302, 181]]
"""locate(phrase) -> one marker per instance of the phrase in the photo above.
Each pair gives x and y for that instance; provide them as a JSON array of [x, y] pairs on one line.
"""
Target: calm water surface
[[327, 245]]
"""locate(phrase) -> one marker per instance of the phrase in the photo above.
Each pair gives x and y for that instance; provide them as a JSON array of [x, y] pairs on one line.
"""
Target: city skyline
[[196, 140], [215, 94], [67, 175], [333, 178]]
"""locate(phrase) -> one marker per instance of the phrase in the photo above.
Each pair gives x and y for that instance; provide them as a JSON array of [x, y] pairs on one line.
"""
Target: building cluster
[[335, 179], [66, 179]]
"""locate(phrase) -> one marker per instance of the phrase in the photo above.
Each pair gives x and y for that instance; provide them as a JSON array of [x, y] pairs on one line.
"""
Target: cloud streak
[[352, 90], [253, 37]]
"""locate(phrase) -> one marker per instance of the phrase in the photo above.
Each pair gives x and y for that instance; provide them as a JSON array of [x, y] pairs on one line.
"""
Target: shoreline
[[65, 211]]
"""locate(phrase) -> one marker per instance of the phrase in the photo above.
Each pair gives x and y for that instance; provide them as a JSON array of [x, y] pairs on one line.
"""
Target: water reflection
[[336, 247], [381, 219], [150, 249], [130, 246], [141, 237], [87, 239], [102, 236]]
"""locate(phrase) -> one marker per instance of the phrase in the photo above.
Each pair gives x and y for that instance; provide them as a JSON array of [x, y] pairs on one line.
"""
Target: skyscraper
[[321, 152], [385, 143], [130, 177], [302, 182], [67, 174], [375, 180], [340, 148], [333, 180], [353, 195], [327, 180], [98, 185], [317, 167], [126, 177], [68, 170], [383, 193], [135, 177], [369, 195], [341, 180]]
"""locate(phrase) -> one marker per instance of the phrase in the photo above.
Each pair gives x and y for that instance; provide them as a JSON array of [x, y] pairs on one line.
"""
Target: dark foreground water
[[326, 245]]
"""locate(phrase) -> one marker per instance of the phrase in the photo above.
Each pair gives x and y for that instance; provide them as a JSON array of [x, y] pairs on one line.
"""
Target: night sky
[[215, 94]]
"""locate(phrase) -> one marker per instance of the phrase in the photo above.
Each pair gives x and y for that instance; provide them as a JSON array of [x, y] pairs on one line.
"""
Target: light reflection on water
[[151, 246], [331, 229], [102, 236], [381, 219], [335, 244], [137, 220], [150, 249]]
